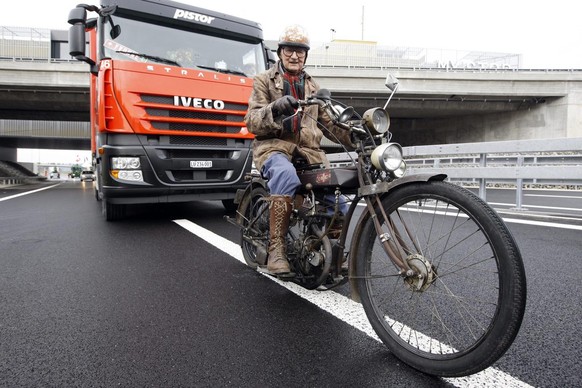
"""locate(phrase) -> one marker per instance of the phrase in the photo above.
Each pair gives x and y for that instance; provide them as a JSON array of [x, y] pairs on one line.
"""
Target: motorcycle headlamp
[[377, 121], [399, 172], [388, 157]]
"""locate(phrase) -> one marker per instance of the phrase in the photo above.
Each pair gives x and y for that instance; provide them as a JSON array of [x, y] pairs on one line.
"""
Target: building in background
[[33, 44]]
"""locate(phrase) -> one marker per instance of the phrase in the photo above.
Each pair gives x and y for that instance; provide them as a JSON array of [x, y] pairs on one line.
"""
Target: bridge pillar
[[8, 154], [574, 118]]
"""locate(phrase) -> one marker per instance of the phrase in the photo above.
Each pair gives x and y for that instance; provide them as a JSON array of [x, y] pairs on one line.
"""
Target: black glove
[[285, 105]]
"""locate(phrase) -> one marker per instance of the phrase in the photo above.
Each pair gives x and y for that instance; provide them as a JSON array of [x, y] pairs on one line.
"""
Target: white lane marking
[[28, 192], [347, 310], [542, 223], [507, 220], [537, 206], [531, 222], [553, 196]]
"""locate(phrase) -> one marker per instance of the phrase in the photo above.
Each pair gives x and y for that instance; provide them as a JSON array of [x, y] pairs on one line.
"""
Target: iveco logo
[[199, 102], [197, 17]]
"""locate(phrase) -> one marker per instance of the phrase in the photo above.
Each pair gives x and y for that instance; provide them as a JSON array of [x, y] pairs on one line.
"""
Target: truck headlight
[[388, 157], [128, 175], [126, 168], [125, 163]]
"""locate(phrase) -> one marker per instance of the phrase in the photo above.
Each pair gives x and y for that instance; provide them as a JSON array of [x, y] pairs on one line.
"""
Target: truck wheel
[[229, 205], [98, 189], [98, 195], [112, 212]]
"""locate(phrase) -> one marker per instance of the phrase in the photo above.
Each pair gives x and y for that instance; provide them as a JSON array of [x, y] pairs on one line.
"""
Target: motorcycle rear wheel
[[253, 209], [465, 311]]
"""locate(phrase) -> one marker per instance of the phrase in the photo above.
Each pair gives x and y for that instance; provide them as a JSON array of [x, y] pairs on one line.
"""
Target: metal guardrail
[[314, 65], [536, 162], [40, 60], [13, 181], [541, 161], [8, 181]]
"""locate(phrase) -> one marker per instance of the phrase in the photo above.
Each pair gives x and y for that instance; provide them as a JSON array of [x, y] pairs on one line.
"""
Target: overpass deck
[[494, 104]]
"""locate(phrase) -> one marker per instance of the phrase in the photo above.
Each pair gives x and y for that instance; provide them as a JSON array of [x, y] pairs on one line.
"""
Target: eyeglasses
[[288, 51]]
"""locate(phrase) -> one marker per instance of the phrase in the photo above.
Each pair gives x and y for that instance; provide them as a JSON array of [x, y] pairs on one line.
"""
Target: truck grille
[[182, 142], [164, 115], [199, 141]]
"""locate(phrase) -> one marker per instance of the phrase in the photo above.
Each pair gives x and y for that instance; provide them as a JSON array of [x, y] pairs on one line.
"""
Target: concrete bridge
[[45, 103]]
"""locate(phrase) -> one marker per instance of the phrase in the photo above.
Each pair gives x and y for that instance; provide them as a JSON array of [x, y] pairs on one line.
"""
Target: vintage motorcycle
[[437, 271]]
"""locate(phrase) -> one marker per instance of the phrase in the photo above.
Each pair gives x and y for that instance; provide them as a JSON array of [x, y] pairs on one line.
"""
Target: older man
[[278, 142]]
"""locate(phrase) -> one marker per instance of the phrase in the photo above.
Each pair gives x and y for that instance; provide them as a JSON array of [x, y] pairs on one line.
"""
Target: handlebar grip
[[310, 101]]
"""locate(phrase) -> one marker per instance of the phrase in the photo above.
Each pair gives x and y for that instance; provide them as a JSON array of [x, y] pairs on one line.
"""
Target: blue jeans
[[281, 175]]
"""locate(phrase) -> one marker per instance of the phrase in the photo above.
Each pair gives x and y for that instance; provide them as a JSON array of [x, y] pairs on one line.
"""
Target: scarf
[[293, 85]]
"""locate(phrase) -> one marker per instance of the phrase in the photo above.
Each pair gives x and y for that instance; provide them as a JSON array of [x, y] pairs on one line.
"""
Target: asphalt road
[[145, 302]]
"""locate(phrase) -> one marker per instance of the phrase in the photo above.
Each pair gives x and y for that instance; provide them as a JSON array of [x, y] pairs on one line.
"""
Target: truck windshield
[[146, 42]]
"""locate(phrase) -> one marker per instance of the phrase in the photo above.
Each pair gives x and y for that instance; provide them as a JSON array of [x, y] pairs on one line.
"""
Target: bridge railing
[[520, 163], [315, 65], [11, 180]]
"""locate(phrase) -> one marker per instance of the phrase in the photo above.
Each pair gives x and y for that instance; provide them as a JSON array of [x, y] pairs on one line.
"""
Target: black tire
[[253, 205], [466, 317], [98, 188], [112, 212], [229, 205]]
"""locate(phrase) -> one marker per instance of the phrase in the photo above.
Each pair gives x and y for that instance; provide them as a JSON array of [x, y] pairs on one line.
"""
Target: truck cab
[[169, 89]]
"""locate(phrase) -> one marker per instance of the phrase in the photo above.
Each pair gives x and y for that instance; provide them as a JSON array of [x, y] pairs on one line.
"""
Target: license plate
[[200, 163]]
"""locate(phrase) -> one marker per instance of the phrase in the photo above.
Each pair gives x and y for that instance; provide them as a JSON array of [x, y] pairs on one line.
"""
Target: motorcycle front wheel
[[463, 309]]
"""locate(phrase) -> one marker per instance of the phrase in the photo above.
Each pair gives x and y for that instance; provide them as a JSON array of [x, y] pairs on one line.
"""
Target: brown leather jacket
[[269, 134]]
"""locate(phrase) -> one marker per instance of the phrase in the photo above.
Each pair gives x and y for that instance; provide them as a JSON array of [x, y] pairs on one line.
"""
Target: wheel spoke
[[463, 302], [443, 318]]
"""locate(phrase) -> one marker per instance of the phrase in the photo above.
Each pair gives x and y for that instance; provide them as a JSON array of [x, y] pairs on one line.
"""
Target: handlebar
[[310, 101], [323, 99], [375, 122]]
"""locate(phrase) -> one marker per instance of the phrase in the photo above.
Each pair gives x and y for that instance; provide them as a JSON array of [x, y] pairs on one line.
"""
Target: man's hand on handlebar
[[285, 105]]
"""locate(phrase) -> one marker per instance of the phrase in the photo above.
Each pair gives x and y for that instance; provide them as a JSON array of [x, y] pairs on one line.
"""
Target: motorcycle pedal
[[282, 276], [285, 277]]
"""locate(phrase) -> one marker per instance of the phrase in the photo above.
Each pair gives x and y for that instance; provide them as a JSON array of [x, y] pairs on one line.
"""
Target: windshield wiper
[[152, 57], [225, 71]]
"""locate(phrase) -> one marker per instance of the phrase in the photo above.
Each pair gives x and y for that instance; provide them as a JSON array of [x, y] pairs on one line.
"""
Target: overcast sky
[[548, 34]]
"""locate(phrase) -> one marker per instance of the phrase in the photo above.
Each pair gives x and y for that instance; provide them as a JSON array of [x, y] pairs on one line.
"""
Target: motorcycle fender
[[242, 196], [240, 193], [384, 187], [380, 188]]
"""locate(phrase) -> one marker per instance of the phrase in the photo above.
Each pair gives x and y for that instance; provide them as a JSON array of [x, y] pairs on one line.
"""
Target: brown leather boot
[[280, 207]]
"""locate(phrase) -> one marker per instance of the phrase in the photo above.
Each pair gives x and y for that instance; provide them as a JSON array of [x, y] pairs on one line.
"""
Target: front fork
[[389, 237]]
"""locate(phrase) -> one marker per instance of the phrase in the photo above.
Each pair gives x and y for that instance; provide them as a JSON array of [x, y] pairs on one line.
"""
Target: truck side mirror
[[271, 58], [77, 15], [77, 38]]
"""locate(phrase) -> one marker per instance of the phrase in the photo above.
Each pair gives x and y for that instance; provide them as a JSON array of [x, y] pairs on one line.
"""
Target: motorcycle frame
[[372, 194]]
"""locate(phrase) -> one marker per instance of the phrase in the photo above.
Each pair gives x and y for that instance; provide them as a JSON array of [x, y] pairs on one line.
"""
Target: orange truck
[[169, 89]]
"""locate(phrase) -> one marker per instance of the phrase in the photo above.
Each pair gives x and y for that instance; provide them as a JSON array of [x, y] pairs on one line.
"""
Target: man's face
[[293, 58]]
